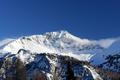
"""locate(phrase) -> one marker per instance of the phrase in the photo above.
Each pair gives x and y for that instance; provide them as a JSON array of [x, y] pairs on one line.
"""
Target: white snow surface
[[95, 75], [64, 43], [4, 42]]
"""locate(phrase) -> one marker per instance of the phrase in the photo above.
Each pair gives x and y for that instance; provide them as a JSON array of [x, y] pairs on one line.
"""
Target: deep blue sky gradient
[[84, 18]]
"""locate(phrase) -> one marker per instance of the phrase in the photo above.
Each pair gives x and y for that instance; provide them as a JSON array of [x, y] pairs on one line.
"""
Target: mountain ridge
[[59, 42], [66, 46]]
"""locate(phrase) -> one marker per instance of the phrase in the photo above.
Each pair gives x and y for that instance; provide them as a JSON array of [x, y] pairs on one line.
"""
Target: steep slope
[[111, 58], [4, 42], [64, 43], [114, 47], [47, 66], [41, 54], [56, 42]]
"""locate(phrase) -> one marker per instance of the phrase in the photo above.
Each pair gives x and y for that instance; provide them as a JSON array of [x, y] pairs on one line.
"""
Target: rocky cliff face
[[112, 63], [47, 66], [44, 66]]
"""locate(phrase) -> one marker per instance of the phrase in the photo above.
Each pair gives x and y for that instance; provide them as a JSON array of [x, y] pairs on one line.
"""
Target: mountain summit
[[64, 43], [53, 48]]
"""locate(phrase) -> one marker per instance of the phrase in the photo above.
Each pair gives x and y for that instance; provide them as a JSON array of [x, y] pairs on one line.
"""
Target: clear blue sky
[[84, 18]]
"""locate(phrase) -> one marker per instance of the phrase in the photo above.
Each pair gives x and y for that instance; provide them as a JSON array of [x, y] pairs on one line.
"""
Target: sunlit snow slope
[[64, 43]]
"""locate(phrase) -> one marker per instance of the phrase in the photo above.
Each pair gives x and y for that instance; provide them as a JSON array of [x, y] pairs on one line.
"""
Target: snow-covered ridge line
[[67, 44]]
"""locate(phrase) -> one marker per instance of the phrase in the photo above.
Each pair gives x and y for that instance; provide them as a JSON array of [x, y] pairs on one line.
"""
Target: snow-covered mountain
[[56, 42], [64, 43], [60, 43]]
